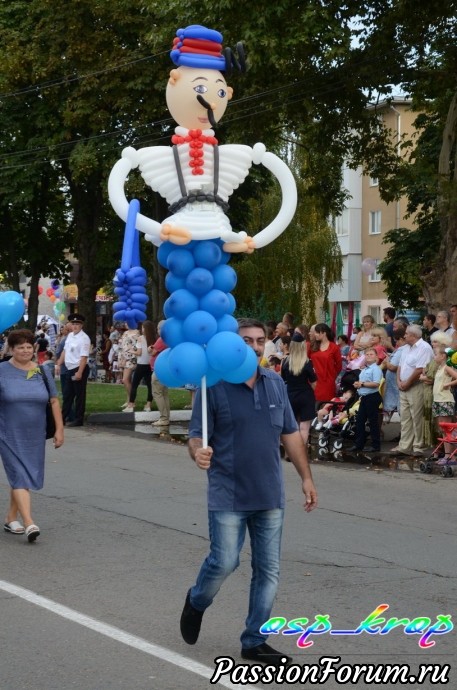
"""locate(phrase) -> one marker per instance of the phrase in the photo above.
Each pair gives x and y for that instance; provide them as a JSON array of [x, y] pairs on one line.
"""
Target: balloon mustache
[[208, 107]]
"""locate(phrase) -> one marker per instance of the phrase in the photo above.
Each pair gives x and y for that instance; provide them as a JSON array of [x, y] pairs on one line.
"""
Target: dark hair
[[21, 336], [323, 328], [251, 323], [49, 354], [344, 338], [431, 318], [390, 312], [304, 330], [399, 333], [270, 332], [149, 332], [285, 339]]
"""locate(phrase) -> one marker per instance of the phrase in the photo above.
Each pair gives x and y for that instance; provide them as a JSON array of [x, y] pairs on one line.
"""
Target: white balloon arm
[[116, 193], [289, 195]]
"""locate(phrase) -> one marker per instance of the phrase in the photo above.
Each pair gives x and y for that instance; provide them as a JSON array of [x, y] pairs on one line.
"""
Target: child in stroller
[[336, 419]]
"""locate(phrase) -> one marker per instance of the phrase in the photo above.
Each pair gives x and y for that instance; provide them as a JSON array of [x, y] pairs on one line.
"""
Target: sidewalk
[[122, 418]]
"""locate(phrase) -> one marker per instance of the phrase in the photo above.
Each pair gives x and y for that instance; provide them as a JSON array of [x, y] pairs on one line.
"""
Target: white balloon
[[202, 220], [368, 266]]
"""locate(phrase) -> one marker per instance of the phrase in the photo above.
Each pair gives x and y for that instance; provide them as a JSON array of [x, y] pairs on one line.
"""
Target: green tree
[[295, 271], [422, 41]]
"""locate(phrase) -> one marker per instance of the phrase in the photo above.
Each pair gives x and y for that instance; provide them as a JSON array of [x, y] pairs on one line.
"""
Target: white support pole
[[204, 414]]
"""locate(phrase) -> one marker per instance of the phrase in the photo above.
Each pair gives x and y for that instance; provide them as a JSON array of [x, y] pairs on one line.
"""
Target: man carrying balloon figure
[[245, 491], [243, 422]]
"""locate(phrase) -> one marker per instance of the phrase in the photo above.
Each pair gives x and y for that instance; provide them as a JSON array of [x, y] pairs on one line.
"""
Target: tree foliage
[[81, 80]]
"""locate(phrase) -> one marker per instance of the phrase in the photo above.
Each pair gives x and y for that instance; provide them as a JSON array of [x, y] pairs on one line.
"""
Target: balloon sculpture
[[12, 307], [197, 176], [130, 279]]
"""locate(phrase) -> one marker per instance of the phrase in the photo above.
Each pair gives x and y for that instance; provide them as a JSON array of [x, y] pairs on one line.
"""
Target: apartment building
[[361, 229]]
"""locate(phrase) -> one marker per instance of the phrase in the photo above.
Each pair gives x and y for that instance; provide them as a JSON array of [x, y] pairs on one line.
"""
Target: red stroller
[[447, 465]]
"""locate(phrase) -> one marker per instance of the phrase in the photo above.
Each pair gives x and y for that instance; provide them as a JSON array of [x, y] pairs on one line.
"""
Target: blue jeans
[[227, 531]]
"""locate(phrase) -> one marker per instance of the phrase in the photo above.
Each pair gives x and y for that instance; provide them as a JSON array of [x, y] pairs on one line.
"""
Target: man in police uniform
[[75, 355]]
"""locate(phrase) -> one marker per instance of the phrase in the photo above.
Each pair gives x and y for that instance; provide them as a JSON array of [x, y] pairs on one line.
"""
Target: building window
[[375, 277], [375, 223], [374, 182], [375, 312], [341, 223]]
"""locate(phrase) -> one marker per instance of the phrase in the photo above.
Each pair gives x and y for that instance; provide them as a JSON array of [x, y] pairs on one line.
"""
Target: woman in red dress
[[326, 358]]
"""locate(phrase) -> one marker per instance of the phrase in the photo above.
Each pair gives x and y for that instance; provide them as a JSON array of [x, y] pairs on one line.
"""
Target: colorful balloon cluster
[[12, 307], [53, 292], [130, 279], [200, 329], [451, 360]]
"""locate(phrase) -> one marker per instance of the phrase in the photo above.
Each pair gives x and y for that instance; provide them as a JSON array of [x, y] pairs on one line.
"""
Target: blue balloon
[[172, 333], [136, 272], [118, 306], [227, 323], [12, 307], [232, 303], [216, 302], [141, 298], [199, 281], [226, 351], [212, 377], [163, 252], [199, 327], [180, 262], [224, 278], [207, 254], [245, 371], [135, 282], [188, 362], [180, 304], [173, 282], [225, 256], [164, 373]]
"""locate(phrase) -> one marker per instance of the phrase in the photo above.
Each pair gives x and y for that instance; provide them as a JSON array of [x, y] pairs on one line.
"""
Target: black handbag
[[50, 423]]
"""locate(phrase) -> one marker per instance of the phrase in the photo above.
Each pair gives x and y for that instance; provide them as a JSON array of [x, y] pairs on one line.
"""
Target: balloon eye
[[222, 93], [201, 88]]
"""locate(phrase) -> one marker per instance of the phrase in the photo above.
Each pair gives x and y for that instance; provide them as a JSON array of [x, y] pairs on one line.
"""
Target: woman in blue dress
[[23, 400]]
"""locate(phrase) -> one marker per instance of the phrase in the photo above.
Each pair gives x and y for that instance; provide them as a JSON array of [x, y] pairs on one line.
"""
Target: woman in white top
[[142, 370]]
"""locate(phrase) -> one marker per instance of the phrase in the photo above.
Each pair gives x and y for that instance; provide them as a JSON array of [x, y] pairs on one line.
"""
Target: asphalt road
[[95, 603]]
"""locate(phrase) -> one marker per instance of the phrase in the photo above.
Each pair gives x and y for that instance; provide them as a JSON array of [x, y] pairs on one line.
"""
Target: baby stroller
[[337, 428], [448, 464]]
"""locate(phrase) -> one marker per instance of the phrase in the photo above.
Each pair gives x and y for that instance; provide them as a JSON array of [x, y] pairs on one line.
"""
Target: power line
[[43, 86]]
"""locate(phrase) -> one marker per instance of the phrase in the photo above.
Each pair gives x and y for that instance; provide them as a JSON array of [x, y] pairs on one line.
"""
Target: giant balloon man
[[197, 176]]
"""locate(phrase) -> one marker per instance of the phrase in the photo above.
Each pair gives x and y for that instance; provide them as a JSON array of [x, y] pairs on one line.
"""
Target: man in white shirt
[[415, 356], [75, 355], [443, 322]]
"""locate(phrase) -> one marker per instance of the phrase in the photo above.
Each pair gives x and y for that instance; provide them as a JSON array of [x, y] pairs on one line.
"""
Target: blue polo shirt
[[371, 373], [244, 428]]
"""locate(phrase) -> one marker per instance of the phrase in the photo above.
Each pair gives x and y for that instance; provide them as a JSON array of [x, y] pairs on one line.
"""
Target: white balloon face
[[184, 87]]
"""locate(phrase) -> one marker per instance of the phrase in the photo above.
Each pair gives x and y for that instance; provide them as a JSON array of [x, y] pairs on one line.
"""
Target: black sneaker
[[266, 654], [191, 621], [354, 449], [372, 450]]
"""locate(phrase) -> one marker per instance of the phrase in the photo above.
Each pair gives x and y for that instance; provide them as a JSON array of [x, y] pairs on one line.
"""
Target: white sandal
[[14, 527], [32, 532]]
